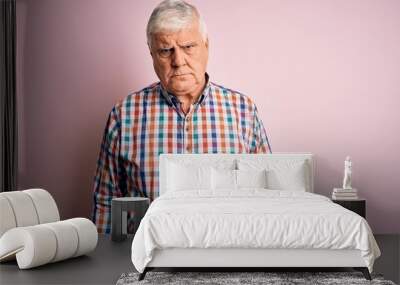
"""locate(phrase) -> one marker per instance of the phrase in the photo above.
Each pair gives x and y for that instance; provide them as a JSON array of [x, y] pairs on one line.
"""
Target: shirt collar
[[173, 100]]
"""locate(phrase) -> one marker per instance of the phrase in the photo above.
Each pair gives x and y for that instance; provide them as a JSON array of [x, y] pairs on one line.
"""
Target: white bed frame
[[246, 258]]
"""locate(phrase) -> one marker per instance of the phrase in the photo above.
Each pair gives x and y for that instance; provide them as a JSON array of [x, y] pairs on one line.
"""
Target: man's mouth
[[179, 74]]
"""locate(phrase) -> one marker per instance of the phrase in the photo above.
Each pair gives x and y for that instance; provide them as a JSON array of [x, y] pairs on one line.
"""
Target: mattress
[[250, 218]]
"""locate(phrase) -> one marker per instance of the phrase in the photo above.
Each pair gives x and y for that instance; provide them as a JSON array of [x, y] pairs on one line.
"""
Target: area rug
[[244, 278]]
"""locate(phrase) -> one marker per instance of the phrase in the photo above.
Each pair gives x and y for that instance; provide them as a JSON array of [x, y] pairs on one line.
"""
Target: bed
[[244, 211]]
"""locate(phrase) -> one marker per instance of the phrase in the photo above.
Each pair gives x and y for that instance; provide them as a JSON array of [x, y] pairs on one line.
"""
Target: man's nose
[[178, 57]]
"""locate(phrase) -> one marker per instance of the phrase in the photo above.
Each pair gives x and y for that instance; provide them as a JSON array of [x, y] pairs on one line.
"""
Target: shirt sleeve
[[107, 178], [259, 142]]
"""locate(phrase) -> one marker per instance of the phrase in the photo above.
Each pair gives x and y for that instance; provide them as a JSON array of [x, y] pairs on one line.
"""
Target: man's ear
[[151, 53]]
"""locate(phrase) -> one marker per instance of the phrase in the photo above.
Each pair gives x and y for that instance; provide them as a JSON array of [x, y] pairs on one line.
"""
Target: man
[[183, 113]]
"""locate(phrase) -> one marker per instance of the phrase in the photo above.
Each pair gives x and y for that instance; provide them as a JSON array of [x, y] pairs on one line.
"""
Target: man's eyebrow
[[165, 47], [188, 44]]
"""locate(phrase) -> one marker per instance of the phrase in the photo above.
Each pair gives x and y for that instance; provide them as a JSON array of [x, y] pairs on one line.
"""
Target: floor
[[389, 262], [111, 259]]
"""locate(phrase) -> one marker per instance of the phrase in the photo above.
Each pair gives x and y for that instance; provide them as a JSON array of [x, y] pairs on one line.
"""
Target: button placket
[[187, 127], [187, 132], [187, 124], [189, 146]]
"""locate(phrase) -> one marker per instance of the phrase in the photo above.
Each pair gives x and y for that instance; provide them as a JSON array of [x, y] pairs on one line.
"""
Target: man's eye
[[165, 52], [189, 48]]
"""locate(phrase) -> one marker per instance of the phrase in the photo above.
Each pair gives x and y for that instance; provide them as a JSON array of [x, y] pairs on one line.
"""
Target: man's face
[[180, 59]]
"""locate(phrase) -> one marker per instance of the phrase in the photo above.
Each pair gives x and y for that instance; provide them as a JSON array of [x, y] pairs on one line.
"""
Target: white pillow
[[284, 174], [251, 178], [287, 179], [223, 179], [228, 179], [188, 177]]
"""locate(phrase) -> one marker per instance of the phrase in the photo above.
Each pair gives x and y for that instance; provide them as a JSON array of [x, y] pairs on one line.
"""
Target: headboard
[[212, 158]]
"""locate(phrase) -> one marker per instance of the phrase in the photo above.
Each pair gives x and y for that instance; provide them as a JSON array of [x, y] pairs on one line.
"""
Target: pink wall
[[324, 75]]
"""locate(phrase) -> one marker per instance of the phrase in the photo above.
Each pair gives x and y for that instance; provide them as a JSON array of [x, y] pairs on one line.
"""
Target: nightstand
[[119, 215], [358, 206]]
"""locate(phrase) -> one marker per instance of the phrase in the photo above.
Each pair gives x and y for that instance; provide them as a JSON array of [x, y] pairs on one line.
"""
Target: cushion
[[228, 179], [7, 220], [251, 178], [26, 208], [45, 206], [223, 179], [188, 177], [67, 237], [288, 179], [87, 235], [23, 208], [282, 174], [189, 161]]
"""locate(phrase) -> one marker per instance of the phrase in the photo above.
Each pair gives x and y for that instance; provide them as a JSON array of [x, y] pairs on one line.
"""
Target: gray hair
[[173, 15]]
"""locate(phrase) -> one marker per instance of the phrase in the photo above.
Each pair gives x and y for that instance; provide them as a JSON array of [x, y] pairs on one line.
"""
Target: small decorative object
[[347, 192], [347, 173]]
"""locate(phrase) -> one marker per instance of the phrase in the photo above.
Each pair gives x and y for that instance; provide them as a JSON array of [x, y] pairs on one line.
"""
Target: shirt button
[[187, 148], [187, 129]]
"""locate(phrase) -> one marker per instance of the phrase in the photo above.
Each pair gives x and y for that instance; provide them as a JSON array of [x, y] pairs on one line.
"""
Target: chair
[[31, 231]]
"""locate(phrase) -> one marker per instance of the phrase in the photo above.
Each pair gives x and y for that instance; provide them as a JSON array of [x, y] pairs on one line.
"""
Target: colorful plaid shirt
[[150, 122]]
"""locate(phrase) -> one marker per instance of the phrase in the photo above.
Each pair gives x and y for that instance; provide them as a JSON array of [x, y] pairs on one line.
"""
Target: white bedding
[[250, 218]]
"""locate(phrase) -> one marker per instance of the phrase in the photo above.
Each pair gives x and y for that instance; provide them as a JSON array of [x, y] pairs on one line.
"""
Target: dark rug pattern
[[253, 278]]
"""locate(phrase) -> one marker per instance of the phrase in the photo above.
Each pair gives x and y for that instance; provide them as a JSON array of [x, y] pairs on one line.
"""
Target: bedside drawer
[[357, 206]]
